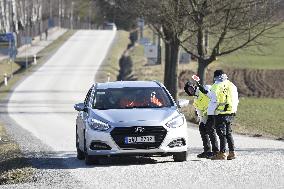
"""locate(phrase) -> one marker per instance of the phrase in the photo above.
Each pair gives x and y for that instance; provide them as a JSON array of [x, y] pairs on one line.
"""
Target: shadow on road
[[68, 160]]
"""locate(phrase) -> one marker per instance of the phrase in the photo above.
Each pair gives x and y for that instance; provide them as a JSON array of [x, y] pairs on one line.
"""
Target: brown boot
[[231, 155], [219, 156]]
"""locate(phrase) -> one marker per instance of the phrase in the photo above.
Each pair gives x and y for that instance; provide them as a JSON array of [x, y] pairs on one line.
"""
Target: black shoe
[[211, 154], [203, 155]]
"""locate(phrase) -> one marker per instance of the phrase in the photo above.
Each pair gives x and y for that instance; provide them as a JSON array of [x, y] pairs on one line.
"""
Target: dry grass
[[261, 116], [7, 67], [110, 66], [14, 168]]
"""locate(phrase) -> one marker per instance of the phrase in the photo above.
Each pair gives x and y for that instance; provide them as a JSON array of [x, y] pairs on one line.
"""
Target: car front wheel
[[88, 160], [80, 153], [180, 156]]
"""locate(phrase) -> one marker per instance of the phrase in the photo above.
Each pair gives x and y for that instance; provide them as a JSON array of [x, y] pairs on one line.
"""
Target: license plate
[[141, 139]]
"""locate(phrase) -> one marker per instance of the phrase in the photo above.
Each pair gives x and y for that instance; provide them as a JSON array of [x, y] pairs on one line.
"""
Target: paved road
[[43, 106]]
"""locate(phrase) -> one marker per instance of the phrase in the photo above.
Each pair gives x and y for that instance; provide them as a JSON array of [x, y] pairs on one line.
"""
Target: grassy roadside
[[110, 66], [6, 67], [13, 166], [269, 56], [256, 116], [261, 117]]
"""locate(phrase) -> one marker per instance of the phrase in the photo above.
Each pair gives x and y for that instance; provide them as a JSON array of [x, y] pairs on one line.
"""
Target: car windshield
[[130, 97]]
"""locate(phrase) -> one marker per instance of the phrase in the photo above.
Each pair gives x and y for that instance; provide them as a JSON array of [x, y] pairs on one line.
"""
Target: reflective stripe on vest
[[201, 103], [223, 93]]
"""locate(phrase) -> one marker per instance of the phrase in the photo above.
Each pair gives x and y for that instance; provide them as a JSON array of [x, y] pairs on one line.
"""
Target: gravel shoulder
[[14, 166]]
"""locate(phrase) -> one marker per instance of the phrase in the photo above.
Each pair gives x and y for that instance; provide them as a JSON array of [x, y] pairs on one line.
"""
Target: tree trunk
[[167, 63], [59, 12], [159, 58], [2, 17], [171, 69], [7, 16], [202, 65]]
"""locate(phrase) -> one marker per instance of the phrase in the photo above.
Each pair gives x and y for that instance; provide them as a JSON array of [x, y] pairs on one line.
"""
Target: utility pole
[[90, 14], [50, 19], [40, 19], [10, 56], [50, 9], [59, 12], [11, 46], [72, 14]]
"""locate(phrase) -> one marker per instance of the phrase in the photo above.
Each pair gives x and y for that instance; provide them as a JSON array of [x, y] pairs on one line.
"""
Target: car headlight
[[98, 125], [175, 122]]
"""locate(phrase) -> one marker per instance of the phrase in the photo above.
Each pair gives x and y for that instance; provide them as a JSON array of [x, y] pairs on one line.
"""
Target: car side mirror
[[182, 103], [80, 107]]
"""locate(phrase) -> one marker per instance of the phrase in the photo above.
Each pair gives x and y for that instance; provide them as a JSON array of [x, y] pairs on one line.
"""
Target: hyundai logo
[[139, 129]]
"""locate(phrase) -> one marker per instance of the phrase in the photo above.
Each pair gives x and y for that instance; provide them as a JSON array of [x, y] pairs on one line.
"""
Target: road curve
[[43, 106], [42, 103]]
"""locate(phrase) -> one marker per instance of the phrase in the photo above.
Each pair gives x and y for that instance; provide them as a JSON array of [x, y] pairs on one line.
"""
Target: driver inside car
[[128, 101], [154, 100], [141, 99]]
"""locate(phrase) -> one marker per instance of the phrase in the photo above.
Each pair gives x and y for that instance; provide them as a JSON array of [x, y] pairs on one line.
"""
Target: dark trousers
[[208, 133], [223, 125]]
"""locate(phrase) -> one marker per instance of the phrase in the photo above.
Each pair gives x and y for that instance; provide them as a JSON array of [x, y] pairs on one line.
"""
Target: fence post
[[5, 79], [108, 77], [35, 61]]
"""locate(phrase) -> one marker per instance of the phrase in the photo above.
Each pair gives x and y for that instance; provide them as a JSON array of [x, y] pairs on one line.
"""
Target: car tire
[[180, 156], [80, 153], [88, 159]]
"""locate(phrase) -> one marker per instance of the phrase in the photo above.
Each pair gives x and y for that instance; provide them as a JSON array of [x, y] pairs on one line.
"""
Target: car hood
[[126, 117]]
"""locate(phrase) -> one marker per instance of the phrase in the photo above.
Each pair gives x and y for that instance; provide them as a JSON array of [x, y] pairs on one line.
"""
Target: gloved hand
[[186, 89], [201, 88]]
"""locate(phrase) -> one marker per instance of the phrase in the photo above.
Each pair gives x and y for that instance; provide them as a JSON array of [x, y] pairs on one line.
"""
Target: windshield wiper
[[102, 108], [131, 107]]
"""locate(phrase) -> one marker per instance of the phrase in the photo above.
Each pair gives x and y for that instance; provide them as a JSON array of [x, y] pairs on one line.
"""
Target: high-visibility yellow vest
[[223, 93], [201, 103]]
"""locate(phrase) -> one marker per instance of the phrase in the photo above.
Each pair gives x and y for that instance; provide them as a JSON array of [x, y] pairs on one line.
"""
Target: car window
[[87, 99], [138, 97]]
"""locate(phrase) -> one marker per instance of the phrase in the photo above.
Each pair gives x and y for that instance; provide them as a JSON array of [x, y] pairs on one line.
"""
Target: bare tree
[[168, 20], [230, 26], [6, 12], [33, 17]]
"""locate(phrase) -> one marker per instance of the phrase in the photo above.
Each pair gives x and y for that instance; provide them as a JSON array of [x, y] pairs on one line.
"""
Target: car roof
[[121, 84]]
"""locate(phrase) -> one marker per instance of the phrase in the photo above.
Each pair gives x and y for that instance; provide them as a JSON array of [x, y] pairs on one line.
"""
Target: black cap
[[218, 73], [189, 83]]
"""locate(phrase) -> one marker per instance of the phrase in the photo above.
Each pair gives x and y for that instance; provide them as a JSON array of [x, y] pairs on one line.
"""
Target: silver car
[[138, 118]]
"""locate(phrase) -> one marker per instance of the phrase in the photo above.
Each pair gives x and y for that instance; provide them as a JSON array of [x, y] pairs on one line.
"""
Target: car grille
[[119, 134]]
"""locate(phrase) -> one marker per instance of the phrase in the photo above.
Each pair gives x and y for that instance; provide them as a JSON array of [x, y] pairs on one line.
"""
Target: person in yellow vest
[[200, 103], [221, 110]]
